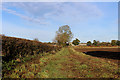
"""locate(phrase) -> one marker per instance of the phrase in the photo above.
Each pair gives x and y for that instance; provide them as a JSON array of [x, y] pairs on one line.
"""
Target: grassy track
[[67, 63]]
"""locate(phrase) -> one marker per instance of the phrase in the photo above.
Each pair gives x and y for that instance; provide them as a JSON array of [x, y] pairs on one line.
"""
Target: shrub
[[13, 48]]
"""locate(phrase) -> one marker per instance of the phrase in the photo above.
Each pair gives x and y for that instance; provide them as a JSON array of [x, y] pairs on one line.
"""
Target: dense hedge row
[[16, 47]]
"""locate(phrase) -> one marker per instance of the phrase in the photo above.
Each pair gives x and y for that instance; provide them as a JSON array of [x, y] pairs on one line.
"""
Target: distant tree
[[76, 41], [63, 35], [113, 42], [89, 43], [96, 43], [49, 42], [118, 43], [105, 44], [36, 39], [108, 44]]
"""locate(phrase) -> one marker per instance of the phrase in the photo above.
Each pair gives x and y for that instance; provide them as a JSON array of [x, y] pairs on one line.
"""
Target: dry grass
[[67, 63]]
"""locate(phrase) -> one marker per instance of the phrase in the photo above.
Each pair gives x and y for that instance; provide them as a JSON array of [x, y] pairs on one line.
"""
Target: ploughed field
[[108, 53], [98, 49]]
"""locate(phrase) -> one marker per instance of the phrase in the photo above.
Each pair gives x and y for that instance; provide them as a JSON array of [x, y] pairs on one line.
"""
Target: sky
[[88, 20]]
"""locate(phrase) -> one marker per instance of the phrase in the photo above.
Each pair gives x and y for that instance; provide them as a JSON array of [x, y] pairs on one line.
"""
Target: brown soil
[[98, 49], [111, 54]]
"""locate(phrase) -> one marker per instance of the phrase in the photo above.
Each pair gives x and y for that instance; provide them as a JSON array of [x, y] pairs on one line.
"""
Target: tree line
[[98, 43], [64, 36]]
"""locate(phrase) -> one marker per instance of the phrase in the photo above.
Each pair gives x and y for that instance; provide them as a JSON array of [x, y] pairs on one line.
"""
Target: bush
[[13, 48]]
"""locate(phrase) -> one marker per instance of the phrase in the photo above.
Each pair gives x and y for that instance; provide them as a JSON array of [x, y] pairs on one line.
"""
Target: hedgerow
[[13, 48]]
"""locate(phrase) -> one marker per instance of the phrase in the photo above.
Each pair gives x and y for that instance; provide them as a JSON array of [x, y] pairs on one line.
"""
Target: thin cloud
[[60, 12], [85, 19], [24, 17]]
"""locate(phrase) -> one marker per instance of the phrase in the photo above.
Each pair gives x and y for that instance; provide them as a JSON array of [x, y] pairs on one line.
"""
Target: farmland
[[108, 49], [107, 52], [63, 39], [66, 62]]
